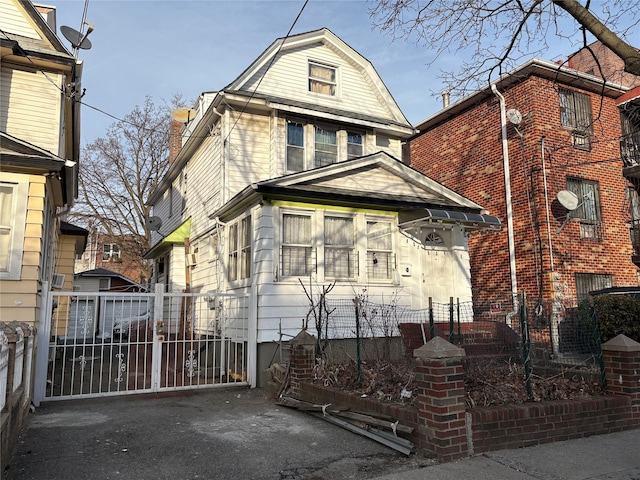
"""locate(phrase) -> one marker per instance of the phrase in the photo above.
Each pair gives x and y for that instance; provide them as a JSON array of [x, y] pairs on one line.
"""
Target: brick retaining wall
[[515, 426], [445, 430]]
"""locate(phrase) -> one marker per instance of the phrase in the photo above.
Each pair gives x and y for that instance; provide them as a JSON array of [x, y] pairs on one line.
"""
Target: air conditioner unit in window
[[192, 259], [58, 280], [581, 140]]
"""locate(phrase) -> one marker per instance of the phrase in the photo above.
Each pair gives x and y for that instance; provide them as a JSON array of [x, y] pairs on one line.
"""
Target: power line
[[244, 108]]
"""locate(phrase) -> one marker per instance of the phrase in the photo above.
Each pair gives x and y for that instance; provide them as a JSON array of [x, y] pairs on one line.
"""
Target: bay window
[[297, 249], [379, 250], [340, 258]]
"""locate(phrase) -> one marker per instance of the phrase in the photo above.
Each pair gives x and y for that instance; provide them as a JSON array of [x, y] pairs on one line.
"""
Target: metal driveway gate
[[110, 343]]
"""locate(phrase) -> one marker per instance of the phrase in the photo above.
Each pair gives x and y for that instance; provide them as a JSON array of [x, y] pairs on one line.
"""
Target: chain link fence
[[538, 339]]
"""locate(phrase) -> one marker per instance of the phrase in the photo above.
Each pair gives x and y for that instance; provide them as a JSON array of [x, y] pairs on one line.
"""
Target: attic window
[[322, 79]]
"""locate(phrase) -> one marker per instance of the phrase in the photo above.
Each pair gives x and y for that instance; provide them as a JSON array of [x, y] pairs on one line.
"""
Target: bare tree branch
[[495, 36], [120, 170]]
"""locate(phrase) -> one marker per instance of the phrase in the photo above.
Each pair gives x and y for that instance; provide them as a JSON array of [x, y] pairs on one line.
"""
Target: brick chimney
[[175, 140]]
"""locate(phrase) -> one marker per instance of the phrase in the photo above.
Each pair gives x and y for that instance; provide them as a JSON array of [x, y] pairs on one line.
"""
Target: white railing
[[107, 343]]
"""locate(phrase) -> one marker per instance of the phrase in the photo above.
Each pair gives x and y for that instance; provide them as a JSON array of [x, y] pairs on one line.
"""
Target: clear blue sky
[[159, 48]]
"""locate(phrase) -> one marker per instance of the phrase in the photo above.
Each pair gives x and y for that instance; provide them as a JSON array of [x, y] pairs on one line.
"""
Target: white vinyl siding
[[247, 152], [13, 211], [13, 20], [288, 77], [30, 107]]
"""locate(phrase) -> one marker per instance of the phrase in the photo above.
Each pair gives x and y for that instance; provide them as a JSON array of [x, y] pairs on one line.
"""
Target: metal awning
[[176, 237], [449, 217]]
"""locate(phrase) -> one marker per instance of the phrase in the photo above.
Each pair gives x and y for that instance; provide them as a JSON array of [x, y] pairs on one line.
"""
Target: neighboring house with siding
[[292, 173], [557, 131], [39, 136], [71, 244]]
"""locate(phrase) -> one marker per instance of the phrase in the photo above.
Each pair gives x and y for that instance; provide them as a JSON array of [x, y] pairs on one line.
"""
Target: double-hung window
[[297, 250], [575, 114], [322, 79], [354, 145], [13, 203], [588, 211], [239, 267], [379, 250], [326, 147], [111, 252], [340, 258], [295, 147]]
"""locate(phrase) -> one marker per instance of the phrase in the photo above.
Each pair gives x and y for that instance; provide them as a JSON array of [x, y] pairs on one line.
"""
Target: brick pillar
[[442, 424], [622, 365], [301, 362]]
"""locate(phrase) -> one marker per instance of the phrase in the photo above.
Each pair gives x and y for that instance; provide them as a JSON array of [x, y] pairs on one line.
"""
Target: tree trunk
[[629, 54]]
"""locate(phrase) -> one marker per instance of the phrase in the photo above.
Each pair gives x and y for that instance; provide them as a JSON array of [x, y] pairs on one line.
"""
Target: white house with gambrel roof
[[293, 173]]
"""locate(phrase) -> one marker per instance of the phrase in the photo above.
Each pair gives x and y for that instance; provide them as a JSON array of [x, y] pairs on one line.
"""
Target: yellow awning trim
[[176, 237]]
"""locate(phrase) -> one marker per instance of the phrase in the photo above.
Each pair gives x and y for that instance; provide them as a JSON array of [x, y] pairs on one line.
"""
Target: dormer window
[[322, 79]]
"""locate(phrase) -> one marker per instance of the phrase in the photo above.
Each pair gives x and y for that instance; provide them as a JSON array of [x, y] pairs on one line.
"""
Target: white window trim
[[336, 83], [360, 220], [392, 252], [239, 281], [309, 142], [279, 226], [20, 184]]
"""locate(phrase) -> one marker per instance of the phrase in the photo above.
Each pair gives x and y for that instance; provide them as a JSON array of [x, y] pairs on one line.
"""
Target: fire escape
[[629, 106]]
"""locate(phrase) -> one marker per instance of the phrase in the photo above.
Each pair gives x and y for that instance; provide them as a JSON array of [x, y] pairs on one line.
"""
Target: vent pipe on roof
[[446, 98]]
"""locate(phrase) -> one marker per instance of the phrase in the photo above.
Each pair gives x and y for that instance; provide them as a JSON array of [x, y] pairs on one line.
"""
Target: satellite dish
[[514, 116], [77, 39], [153, 223], [568, 199], [183, 115]]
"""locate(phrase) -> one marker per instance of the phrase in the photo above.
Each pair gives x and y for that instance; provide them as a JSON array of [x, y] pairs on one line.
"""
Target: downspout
[[507, 192], [546, 201]]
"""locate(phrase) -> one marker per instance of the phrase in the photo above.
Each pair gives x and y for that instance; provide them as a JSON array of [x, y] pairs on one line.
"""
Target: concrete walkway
[[604, 457], [240, 434]]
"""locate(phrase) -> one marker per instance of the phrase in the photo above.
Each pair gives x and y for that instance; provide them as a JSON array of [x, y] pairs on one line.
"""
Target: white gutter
[[507, 192]]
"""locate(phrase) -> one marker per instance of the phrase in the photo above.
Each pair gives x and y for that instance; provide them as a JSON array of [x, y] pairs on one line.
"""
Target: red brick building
[[558, 131], [119, 254], [609, 65]]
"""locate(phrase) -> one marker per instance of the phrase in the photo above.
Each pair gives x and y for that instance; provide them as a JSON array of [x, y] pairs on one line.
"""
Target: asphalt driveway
[[231, 433]]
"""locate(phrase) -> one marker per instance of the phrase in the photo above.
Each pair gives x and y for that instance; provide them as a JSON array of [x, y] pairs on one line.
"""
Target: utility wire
[[265, 72]]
